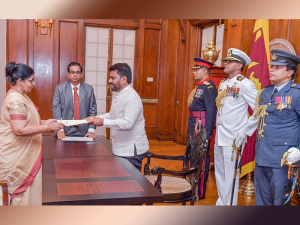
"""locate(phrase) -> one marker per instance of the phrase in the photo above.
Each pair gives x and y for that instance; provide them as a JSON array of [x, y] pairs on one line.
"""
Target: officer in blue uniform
[[278, 112], [202, 110]]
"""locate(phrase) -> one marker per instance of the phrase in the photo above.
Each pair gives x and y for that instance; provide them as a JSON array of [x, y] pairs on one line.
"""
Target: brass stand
[[247, 188]]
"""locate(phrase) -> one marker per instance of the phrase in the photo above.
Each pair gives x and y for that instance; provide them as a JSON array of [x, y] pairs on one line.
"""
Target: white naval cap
[[238, 55]]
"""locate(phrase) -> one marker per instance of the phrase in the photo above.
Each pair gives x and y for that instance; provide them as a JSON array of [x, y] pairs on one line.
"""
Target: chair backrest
[[197, 151], [3, 193]]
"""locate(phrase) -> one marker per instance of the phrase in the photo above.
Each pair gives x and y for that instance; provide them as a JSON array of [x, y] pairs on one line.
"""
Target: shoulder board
[[295, 85], [240, 78], [206, 83], [221, 83], [269, 86]]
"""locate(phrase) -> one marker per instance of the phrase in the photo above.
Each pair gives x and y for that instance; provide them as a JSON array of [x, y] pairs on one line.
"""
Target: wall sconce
[[43, 26]]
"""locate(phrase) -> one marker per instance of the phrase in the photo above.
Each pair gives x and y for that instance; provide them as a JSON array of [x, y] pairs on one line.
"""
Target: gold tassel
[[219, 100], [191, 96], [260, 111], [257, 100]]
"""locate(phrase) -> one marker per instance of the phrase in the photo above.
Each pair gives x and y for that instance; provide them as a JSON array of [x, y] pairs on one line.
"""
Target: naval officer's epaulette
[[240, 78], [294, 85], [221, 83]]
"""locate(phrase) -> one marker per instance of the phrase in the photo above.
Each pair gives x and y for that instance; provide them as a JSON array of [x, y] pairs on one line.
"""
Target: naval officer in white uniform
[[235, 94]]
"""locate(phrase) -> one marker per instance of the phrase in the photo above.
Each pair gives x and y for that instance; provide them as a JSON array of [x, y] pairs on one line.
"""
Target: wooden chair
[[4, 192], [180, 186]]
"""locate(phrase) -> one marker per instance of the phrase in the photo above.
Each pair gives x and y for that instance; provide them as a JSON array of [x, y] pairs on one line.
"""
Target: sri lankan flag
[[258, 72]]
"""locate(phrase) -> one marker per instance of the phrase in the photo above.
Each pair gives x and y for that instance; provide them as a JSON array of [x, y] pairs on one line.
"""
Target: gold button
[[262, 135], [265, 124], [285, 143], [219, 114], [267, 113], [269, 103], [219, 124]]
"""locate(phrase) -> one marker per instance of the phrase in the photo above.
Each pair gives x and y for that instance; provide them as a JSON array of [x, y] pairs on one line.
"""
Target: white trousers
[[224, 171]]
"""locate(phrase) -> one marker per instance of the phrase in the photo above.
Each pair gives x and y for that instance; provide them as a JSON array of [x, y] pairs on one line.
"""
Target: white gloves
[[293, 156], [240, 138]]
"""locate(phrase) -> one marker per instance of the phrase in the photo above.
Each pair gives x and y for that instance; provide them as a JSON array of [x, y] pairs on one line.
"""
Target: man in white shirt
[[125, 118], [235, 94], [74, 99]]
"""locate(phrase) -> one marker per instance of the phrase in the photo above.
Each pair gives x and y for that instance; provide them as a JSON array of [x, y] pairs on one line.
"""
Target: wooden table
[[80, 173]]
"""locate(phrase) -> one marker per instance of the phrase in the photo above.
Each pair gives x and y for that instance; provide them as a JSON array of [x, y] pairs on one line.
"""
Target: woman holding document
[[21, 138]]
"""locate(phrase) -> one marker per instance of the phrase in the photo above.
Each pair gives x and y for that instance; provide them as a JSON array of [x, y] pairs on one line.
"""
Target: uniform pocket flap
[[286, 141]]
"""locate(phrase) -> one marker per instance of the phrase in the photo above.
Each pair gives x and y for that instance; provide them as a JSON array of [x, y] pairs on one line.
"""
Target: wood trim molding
[[149, 100]]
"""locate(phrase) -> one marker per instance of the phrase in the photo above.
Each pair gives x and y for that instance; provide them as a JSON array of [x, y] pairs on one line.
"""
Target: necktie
[[76, 105], [274, 93]]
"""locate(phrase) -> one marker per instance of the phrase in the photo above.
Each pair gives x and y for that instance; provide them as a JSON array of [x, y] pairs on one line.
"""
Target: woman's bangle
[[46, 127]]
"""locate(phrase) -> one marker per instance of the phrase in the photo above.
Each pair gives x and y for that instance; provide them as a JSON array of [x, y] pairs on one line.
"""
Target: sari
[[20, 156]]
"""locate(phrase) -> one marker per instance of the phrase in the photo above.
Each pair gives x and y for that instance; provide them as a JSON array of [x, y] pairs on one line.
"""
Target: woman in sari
[[21, 138]]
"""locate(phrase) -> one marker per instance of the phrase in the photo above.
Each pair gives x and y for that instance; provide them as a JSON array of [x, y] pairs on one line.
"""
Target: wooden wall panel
[[188, 83], [151, 111], [275, 29], [168, 74], [17, 41], [151, 63], [68, 47], [43, 68], [294, 40]]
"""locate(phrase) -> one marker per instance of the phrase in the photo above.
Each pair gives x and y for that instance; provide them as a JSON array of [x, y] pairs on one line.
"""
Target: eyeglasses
[[31, 80], [276, 67], [231, 61], [75, 72]]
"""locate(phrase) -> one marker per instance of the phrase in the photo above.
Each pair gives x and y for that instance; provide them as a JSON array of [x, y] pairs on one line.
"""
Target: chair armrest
[[168, 157], [179, 157], [160, 171]]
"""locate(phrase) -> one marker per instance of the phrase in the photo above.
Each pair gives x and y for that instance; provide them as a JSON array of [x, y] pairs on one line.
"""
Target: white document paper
[[77, 139], [72, 122]]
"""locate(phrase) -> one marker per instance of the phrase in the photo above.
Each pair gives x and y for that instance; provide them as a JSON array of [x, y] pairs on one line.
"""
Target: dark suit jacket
[[63, 105]]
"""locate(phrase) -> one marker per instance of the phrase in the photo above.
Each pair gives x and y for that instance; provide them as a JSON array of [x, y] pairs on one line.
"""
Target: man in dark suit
[[74, 99], [278, 110], [202, 108]]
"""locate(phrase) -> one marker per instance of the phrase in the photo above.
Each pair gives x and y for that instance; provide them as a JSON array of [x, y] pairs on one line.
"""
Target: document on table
[[72, 122], [84, 139]]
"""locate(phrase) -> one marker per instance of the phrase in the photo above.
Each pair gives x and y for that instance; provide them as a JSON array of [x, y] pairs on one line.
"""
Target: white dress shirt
[[234, 116], [78, 87], [127, 123]]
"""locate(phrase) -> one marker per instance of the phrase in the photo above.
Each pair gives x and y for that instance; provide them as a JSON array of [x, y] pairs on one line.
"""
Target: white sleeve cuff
[[92, 130]]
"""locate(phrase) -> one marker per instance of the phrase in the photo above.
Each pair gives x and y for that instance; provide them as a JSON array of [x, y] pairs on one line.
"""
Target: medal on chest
[[198, 93], [232, 91], [283, 102]]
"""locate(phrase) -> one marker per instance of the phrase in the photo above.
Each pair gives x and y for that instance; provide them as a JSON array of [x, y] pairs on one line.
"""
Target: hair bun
[[9, 70]]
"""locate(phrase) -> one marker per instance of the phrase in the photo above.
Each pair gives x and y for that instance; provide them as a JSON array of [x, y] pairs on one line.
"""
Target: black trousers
[[136, 160]]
